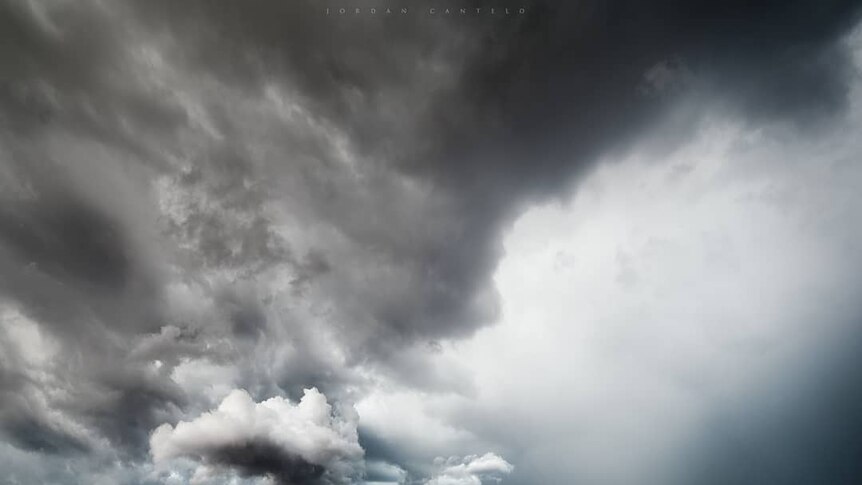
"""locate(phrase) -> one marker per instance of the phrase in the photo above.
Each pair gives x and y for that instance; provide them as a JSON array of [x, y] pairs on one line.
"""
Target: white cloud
[[309, 431], [470, 470], [413, 421], [380, 472]]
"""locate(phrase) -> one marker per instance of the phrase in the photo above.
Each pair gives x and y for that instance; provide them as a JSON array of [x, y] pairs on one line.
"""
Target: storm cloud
[[199, 197]]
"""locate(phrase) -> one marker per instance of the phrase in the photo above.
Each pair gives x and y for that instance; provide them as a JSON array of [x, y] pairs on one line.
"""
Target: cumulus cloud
[[470, 470], [303, 443]]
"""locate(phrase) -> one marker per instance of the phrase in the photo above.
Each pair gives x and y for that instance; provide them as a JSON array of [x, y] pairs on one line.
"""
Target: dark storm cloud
[[201, 149], [265, 459], [533, 100]]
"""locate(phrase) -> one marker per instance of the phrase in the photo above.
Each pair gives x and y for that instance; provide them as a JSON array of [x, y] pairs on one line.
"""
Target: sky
[[597, 242]]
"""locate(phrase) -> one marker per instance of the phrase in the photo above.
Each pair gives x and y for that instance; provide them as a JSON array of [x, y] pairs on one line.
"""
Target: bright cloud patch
[[297, 444], [679, 311], [470, 470]]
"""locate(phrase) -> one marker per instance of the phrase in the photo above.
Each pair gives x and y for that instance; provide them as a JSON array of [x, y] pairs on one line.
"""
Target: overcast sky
[[599, 243]]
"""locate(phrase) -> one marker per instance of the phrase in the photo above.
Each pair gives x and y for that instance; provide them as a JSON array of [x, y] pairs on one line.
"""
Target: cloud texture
[[198, 197]]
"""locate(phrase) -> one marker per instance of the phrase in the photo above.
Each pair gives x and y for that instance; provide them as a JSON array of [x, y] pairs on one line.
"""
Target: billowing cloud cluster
[[294, 444], [470, 470], [200, 196]]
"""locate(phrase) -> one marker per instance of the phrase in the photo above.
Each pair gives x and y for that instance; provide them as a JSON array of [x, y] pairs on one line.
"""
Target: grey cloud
[[31, 435], [69, 241]]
